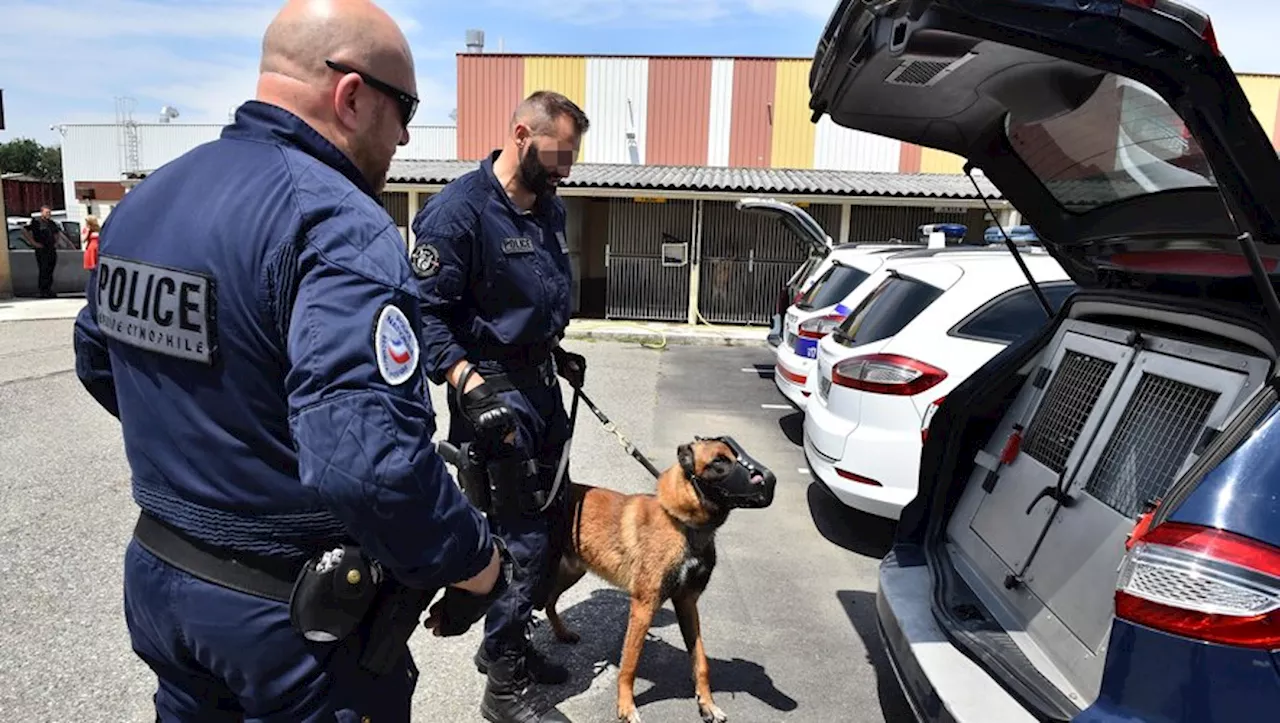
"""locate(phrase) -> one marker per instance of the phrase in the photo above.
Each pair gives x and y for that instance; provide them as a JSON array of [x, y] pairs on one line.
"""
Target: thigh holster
[[513, 484]]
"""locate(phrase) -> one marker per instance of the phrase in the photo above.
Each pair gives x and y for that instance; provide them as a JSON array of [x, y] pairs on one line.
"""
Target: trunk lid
[[806, 230], [1105, 123]]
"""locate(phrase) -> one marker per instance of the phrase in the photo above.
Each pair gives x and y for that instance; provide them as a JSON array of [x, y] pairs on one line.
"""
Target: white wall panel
[[97, 152], [430, 143], [721, 111], [611, 83], [161, 143], [842, 149]]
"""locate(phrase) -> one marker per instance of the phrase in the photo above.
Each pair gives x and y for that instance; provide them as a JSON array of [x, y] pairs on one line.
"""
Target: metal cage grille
[[1157, 431], [1070, 399]]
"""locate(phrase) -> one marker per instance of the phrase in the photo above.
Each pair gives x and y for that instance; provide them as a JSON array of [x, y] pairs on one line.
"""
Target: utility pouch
[[332, 594]]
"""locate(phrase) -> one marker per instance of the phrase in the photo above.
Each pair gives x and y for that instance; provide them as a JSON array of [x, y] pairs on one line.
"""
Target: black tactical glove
[[573, 367], [492, 418], [458, 610]]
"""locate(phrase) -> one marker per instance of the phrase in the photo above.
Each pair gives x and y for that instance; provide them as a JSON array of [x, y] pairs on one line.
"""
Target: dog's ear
[[684, 455]]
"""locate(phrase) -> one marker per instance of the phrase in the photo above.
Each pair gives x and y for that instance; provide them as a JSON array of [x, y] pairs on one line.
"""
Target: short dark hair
[[544, 107]]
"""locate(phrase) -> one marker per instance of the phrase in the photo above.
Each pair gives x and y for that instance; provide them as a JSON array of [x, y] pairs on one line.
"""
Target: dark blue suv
[[1097, 532]]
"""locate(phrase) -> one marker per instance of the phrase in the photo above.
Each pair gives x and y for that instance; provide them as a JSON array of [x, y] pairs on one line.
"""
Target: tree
[[25, 155]]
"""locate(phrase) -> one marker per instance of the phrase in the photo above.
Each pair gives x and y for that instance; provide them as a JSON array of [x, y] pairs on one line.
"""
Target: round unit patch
[[425, 260], [395, 345]]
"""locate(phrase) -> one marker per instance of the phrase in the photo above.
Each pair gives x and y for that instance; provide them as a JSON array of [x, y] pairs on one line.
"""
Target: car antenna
[[1017, 256]]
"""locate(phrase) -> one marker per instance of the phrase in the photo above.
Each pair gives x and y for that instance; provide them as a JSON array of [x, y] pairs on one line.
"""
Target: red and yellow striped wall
[[703, 111]]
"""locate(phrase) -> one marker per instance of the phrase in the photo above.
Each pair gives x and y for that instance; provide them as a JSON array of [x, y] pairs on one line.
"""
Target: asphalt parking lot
[[788, 620]]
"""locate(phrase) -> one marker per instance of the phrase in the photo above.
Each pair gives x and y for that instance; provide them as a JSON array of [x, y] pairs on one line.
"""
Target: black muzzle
[[749, 486]]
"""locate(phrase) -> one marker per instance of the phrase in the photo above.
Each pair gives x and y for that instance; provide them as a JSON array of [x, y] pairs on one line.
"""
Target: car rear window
[[1124, 141], [1013, 316], [886, 311], [838, 282]]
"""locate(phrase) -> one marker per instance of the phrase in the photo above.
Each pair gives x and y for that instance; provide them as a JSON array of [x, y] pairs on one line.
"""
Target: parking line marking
[[758, 370], [775, 406]]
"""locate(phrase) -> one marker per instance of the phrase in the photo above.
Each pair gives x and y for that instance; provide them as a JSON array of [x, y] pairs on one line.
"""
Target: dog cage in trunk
[[1100, 430]]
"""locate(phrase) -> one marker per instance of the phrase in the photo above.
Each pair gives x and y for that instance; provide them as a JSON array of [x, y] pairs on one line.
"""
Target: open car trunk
[[1124, 138]]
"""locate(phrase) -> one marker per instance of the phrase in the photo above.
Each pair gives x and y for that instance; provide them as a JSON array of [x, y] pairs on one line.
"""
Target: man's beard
[[533, 175]]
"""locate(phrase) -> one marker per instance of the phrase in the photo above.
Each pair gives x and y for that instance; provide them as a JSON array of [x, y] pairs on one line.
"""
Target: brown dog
[[660, 547]]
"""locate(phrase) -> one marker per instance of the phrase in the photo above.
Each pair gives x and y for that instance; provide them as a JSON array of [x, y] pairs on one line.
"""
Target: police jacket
[[253, 323], [495, 280]]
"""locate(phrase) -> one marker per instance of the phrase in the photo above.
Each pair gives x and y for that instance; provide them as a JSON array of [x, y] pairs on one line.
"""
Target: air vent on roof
[[924, 71]]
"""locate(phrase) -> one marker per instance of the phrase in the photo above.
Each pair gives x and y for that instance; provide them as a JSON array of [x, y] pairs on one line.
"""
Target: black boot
[[541, 669], [509, 696]]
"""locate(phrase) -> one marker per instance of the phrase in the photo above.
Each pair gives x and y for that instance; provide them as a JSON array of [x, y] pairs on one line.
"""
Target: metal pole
[[695, 259]]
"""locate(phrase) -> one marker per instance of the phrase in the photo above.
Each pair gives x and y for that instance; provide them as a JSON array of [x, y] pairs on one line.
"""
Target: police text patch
[[395, 345], [425, 260], [517, 245], [564, 245], [163, 310]]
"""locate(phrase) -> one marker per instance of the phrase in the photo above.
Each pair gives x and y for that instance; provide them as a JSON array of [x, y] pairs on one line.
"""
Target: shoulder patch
[[425, 260], [157, 308], [395, 345]]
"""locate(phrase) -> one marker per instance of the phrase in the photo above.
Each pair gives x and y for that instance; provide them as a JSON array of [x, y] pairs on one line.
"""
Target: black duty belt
[[252, 576], [542, 375]]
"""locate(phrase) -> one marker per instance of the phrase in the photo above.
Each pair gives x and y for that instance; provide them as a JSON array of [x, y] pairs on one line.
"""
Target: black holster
[[514, 486], [394, 616], [473, 478], [337, 597]]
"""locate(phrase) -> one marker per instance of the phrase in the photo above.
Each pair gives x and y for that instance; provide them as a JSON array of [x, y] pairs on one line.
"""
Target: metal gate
[[746, 258], [883, 224], [639, 286]]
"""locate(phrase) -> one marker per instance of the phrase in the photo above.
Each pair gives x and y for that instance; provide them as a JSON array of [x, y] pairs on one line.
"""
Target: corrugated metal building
[[675, 140], [666, 243], [737, 112]]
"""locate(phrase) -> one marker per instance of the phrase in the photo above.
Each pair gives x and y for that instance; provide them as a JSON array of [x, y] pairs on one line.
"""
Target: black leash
[[609, 427]]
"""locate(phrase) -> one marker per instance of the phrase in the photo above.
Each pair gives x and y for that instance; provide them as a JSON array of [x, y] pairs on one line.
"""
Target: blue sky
[[201, 56]]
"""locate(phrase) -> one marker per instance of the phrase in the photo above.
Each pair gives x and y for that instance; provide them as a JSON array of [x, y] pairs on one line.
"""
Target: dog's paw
[[629, 715], [712, 714]]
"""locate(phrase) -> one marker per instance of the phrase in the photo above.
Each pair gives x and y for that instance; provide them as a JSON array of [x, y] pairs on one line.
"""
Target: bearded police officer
[[254, 324], [493, 262]]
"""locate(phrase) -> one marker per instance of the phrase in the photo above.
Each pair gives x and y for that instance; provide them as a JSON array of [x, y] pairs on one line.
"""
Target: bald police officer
[[254, 325]]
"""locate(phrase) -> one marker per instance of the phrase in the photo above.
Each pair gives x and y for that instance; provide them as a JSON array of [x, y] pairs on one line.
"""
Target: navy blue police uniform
[[254, 324], [495, 282]]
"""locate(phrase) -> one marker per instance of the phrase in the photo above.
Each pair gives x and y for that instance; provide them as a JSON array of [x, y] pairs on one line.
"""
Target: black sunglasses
[[408, 103]]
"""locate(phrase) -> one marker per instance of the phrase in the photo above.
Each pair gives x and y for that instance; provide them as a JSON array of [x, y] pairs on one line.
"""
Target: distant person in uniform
[[254, 324], [43, 234], [496, 282]]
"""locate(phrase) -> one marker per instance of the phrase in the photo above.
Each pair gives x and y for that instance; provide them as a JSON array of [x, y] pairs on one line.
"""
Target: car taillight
[[1194, 18], [886, 374], [1204, 584], [928, 418], [819, 327]]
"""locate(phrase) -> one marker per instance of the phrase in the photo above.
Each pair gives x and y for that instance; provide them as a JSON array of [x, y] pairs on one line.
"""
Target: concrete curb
[[622, 332], [665, 338]]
